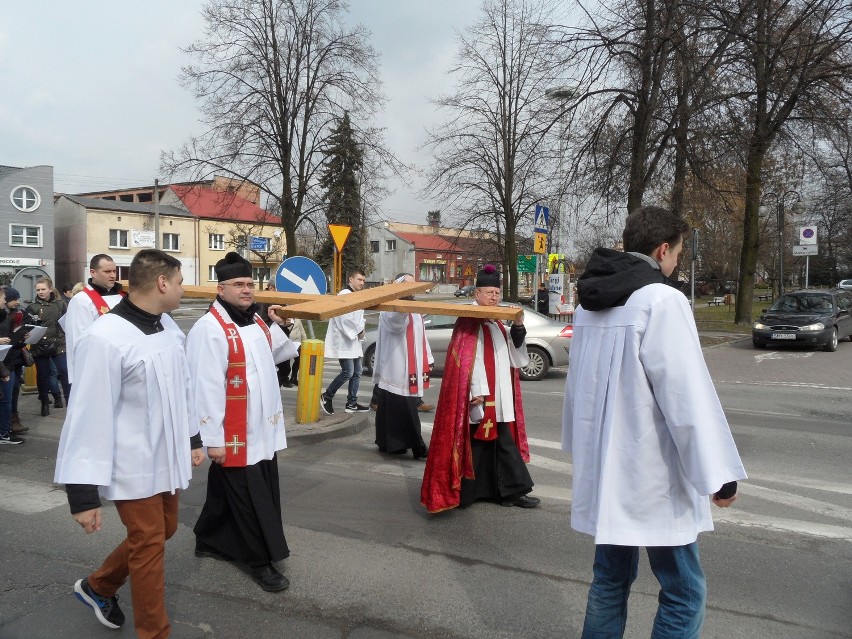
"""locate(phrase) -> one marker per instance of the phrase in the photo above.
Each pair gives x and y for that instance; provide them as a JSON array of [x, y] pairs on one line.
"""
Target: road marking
[[743, 518], [761, 412], [796, 501], [778, 355], [29, 497], [804, 482], [786, 384]]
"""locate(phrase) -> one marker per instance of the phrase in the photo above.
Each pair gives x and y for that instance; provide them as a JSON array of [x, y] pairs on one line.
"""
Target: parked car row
[[547, 343], [806, 318]]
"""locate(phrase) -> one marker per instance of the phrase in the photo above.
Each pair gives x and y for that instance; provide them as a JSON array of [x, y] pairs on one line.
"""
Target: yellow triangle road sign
[[339, 233]]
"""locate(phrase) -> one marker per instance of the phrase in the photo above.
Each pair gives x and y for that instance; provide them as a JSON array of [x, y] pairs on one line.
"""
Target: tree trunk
[[751, 238]]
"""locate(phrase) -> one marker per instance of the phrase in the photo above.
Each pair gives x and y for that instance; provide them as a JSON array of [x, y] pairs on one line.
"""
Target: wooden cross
[[379, 298]]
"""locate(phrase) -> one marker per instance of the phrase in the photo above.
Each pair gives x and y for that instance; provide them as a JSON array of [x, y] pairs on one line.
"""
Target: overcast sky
[[91, 87]]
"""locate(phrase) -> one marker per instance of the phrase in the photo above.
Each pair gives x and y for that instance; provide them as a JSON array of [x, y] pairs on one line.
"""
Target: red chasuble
[[450, 459], [236, 391], [100, 305]]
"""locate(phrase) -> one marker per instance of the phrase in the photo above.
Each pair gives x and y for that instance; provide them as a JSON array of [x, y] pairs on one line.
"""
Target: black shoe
[[57, 401], [106, 608], [268, 578], [326, 405], [356, 408], [524, 501], [286, 385], [45, 408], [420, 453], [11, 438], [204, 551], [294, 382]]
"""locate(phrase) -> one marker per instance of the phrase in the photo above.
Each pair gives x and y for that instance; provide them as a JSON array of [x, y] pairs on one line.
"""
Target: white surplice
[[342, 339], [506, 357], [390, 371], [129, 420], [81, 314], [643, 424], [207, 354]]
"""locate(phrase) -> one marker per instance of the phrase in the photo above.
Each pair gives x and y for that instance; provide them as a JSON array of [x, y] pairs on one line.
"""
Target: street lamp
[[561, 94]]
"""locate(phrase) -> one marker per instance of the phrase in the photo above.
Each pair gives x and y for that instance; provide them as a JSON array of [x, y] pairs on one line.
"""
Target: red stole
[[412, 356], [450, 459], [100, 305], [236, 399], [487, 430]]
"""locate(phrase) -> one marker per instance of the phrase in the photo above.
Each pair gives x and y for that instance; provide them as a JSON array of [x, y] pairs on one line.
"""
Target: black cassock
[[398, 423], [241, 518]]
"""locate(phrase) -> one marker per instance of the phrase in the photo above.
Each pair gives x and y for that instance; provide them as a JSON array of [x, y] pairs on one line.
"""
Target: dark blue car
[[806, 318]]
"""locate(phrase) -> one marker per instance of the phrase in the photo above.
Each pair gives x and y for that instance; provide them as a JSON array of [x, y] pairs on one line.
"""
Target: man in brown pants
[[127, 437]]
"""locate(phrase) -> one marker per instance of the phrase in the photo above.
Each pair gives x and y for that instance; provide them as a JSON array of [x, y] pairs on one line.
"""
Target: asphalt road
[[367, 561]]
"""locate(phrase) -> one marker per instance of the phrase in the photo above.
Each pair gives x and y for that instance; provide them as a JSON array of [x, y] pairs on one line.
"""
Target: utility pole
[[156, 213]]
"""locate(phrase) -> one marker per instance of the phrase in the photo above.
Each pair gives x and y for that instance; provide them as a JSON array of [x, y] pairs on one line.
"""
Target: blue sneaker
[[106, 608]]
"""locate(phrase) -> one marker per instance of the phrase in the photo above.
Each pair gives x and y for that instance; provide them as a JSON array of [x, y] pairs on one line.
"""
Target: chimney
[[434, 219]]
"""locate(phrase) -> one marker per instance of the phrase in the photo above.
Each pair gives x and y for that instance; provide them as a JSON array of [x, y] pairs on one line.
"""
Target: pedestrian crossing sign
[[540, 218], [540, 243]]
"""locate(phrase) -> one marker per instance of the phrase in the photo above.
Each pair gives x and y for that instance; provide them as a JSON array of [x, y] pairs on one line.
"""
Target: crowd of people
[[650, 445]]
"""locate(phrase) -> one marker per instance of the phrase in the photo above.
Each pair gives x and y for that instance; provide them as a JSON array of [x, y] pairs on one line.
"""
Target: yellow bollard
[[310, 381]]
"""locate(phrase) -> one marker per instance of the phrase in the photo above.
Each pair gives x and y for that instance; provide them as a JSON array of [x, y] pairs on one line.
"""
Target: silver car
[[547, 343], [845, 285]]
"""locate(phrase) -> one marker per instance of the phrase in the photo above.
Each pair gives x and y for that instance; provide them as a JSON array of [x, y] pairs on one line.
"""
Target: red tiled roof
[[427, 241], [221, 205]]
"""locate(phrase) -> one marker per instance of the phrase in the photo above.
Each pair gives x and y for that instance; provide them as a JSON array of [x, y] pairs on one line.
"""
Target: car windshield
[[803, 303]]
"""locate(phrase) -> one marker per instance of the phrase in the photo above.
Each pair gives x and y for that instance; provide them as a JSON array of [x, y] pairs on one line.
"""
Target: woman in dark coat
[[49, 351]]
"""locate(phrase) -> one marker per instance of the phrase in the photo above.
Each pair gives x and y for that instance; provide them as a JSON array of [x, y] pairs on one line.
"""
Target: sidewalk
[[340, 424]]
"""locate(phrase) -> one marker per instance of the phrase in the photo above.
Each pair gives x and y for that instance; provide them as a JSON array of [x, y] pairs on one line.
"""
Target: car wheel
[[831, 345], [369, 360], [538, 366], [758, 344]]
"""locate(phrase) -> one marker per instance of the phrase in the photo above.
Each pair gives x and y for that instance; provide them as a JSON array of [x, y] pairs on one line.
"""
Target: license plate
[[783, 336]]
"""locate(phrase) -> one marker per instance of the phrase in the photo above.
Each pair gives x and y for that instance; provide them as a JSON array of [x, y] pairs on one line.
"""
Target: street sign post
[[801, 251], [526, 263], [300, 275], [339, 234], [541, 218]]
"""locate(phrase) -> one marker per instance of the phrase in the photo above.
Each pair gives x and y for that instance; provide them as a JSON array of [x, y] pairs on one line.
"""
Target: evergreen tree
[[340, 181]]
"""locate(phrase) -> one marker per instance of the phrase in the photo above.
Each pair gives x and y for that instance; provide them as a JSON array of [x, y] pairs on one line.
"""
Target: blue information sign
[[300, 275], [260, 244]]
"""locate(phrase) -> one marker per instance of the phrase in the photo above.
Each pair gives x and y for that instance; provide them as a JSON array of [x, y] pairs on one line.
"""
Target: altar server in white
[[127, 436], [650, 444], [403, 361], [99, 295], [232, 353]]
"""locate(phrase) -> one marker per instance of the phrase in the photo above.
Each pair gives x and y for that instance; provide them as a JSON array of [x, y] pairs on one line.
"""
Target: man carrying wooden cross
[[479, 442], [233, 354]]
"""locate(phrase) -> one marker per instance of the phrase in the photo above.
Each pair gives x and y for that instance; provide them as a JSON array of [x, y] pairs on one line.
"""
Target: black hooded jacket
[[611, 277]]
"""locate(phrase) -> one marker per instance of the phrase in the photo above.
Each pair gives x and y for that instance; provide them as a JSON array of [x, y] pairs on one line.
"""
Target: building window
[[122, 272], [211, 274], [171, 241], [117, 238], [21, 235], [374, 246], [390, 245], [25, 198], [216, 241]]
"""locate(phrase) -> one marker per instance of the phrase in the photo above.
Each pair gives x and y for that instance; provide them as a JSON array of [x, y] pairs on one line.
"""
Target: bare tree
[[272, 77], [493, 157]]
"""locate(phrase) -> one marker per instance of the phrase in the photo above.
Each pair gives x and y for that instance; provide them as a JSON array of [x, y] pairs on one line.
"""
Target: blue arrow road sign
[[300, 275], [540, 219]]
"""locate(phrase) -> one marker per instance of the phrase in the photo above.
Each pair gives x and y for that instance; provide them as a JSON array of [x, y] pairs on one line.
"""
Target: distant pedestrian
[[651, 446], [343, 341], [49, 352], [542, 299], [13, 329]]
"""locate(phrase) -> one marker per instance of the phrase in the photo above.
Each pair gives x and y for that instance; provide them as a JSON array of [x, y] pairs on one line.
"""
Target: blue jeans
[[683, 591], [350, 369], [7, 392]]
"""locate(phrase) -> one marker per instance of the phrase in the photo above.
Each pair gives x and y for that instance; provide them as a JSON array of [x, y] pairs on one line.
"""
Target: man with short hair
[[233, 354], [343, 341], [98, 296], [479, 447], [67, 293], [650, 443], [128, 437]]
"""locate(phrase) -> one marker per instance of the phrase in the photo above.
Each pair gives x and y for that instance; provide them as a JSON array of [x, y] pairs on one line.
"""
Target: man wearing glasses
[[232, 354], [479, 442]]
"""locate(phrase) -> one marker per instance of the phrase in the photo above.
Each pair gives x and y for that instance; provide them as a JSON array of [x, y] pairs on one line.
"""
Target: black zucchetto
[[232, 266], [488, 276]]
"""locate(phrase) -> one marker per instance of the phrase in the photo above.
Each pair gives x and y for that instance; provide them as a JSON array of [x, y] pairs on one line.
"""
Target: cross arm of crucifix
[[379, 298]]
